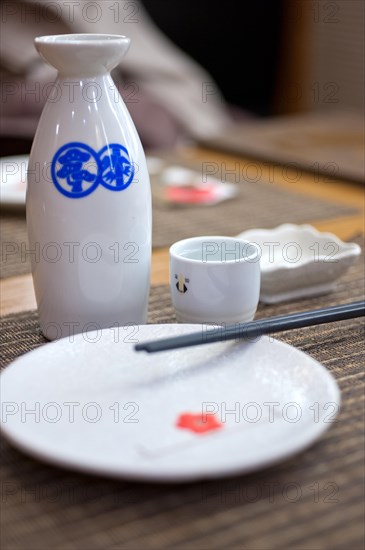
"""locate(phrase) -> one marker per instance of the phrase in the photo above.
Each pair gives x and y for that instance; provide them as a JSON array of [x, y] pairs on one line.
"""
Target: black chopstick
[[253, 329]]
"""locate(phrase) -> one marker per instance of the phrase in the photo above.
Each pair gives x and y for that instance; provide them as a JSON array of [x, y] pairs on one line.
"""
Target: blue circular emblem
[[117, 171], [75, 170]]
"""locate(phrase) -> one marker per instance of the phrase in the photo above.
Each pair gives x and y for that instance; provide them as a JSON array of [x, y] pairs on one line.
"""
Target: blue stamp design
[[77, 169], [117, 171]]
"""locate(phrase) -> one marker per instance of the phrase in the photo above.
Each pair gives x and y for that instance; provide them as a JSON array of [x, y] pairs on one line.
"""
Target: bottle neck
[[75, 88]]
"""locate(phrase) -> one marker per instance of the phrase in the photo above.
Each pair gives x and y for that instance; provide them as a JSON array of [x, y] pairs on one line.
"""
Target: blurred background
[[195, 69]]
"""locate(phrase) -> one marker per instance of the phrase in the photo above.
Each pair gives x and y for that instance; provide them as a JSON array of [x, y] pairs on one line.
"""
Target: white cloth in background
[[175, 96]]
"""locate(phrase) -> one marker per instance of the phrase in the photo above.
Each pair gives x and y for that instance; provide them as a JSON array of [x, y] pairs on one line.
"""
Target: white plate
[[94, 404], [178, 176], [13, 180]]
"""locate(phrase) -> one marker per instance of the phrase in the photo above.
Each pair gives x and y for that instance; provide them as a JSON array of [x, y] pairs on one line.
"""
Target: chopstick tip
[[140, 347]]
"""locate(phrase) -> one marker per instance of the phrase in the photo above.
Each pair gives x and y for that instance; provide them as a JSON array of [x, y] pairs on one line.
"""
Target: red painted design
[[190, 194], [198, 423]]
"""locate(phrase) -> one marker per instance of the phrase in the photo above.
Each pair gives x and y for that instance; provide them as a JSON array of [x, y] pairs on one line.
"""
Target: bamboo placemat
[[313, 501], [258, 204]]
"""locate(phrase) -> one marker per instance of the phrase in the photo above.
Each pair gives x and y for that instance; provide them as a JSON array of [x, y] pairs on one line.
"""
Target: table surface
[[16, 293], [202, 511]]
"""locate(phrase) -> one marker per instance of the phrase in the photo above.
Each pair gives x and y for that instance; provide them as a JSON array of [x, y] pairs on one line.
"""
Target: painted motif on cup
[[181, 283]]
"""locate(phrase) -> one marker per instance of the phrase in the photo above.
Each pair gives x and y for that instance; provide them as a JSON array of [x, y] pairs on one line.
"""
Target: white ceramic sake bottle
[[88, 196]]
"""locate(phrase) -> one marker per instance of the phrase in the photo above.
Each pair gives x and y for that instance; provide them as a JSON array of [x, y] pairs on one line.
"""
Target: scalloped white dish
[[299, 261]]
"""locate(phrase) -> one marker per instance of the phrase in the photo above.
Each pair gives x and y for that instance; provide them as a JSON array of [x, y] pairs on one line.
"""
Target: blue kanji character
[[116, 167], [72, 169]]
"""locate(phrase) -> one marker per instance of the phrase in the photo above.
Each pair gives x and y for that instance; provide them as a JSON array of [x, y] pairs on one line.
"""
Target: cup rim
[[173, 251], [81, 38]]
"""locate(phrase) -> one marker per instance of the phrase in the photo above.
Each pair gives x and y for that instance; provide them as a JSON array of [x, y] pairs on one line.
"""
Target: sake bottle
[[88, 197]]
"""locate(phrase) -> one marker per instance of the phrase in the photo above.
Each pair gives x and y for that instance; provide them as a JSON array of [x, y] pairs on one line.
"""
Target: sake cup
[[214, 280]]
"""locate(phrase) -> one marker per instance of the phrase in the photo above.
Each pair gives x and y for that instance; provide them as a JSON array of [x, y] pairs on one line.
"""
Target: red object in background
[[190, 194], [198, 423]]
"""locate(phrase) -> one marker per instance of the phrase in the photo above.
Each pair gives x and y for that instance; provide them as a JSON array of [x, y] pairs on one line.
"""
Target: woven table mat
[[258, 204], [313, 501]]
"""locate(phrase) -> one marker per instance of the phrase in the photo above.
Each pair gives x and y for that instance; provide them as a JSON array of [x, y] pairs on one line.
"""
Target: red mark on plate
[[198, 423], [190, 194]]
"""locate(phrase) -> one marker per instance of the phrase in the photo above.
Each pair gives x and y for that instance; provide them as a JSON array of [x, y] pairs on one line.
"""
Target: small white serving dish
[[299, 261]]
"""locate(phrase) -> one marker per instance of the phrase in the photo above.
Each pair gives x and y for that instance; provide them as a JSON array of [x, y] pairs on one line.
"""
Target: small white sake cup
[[214, 280]]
